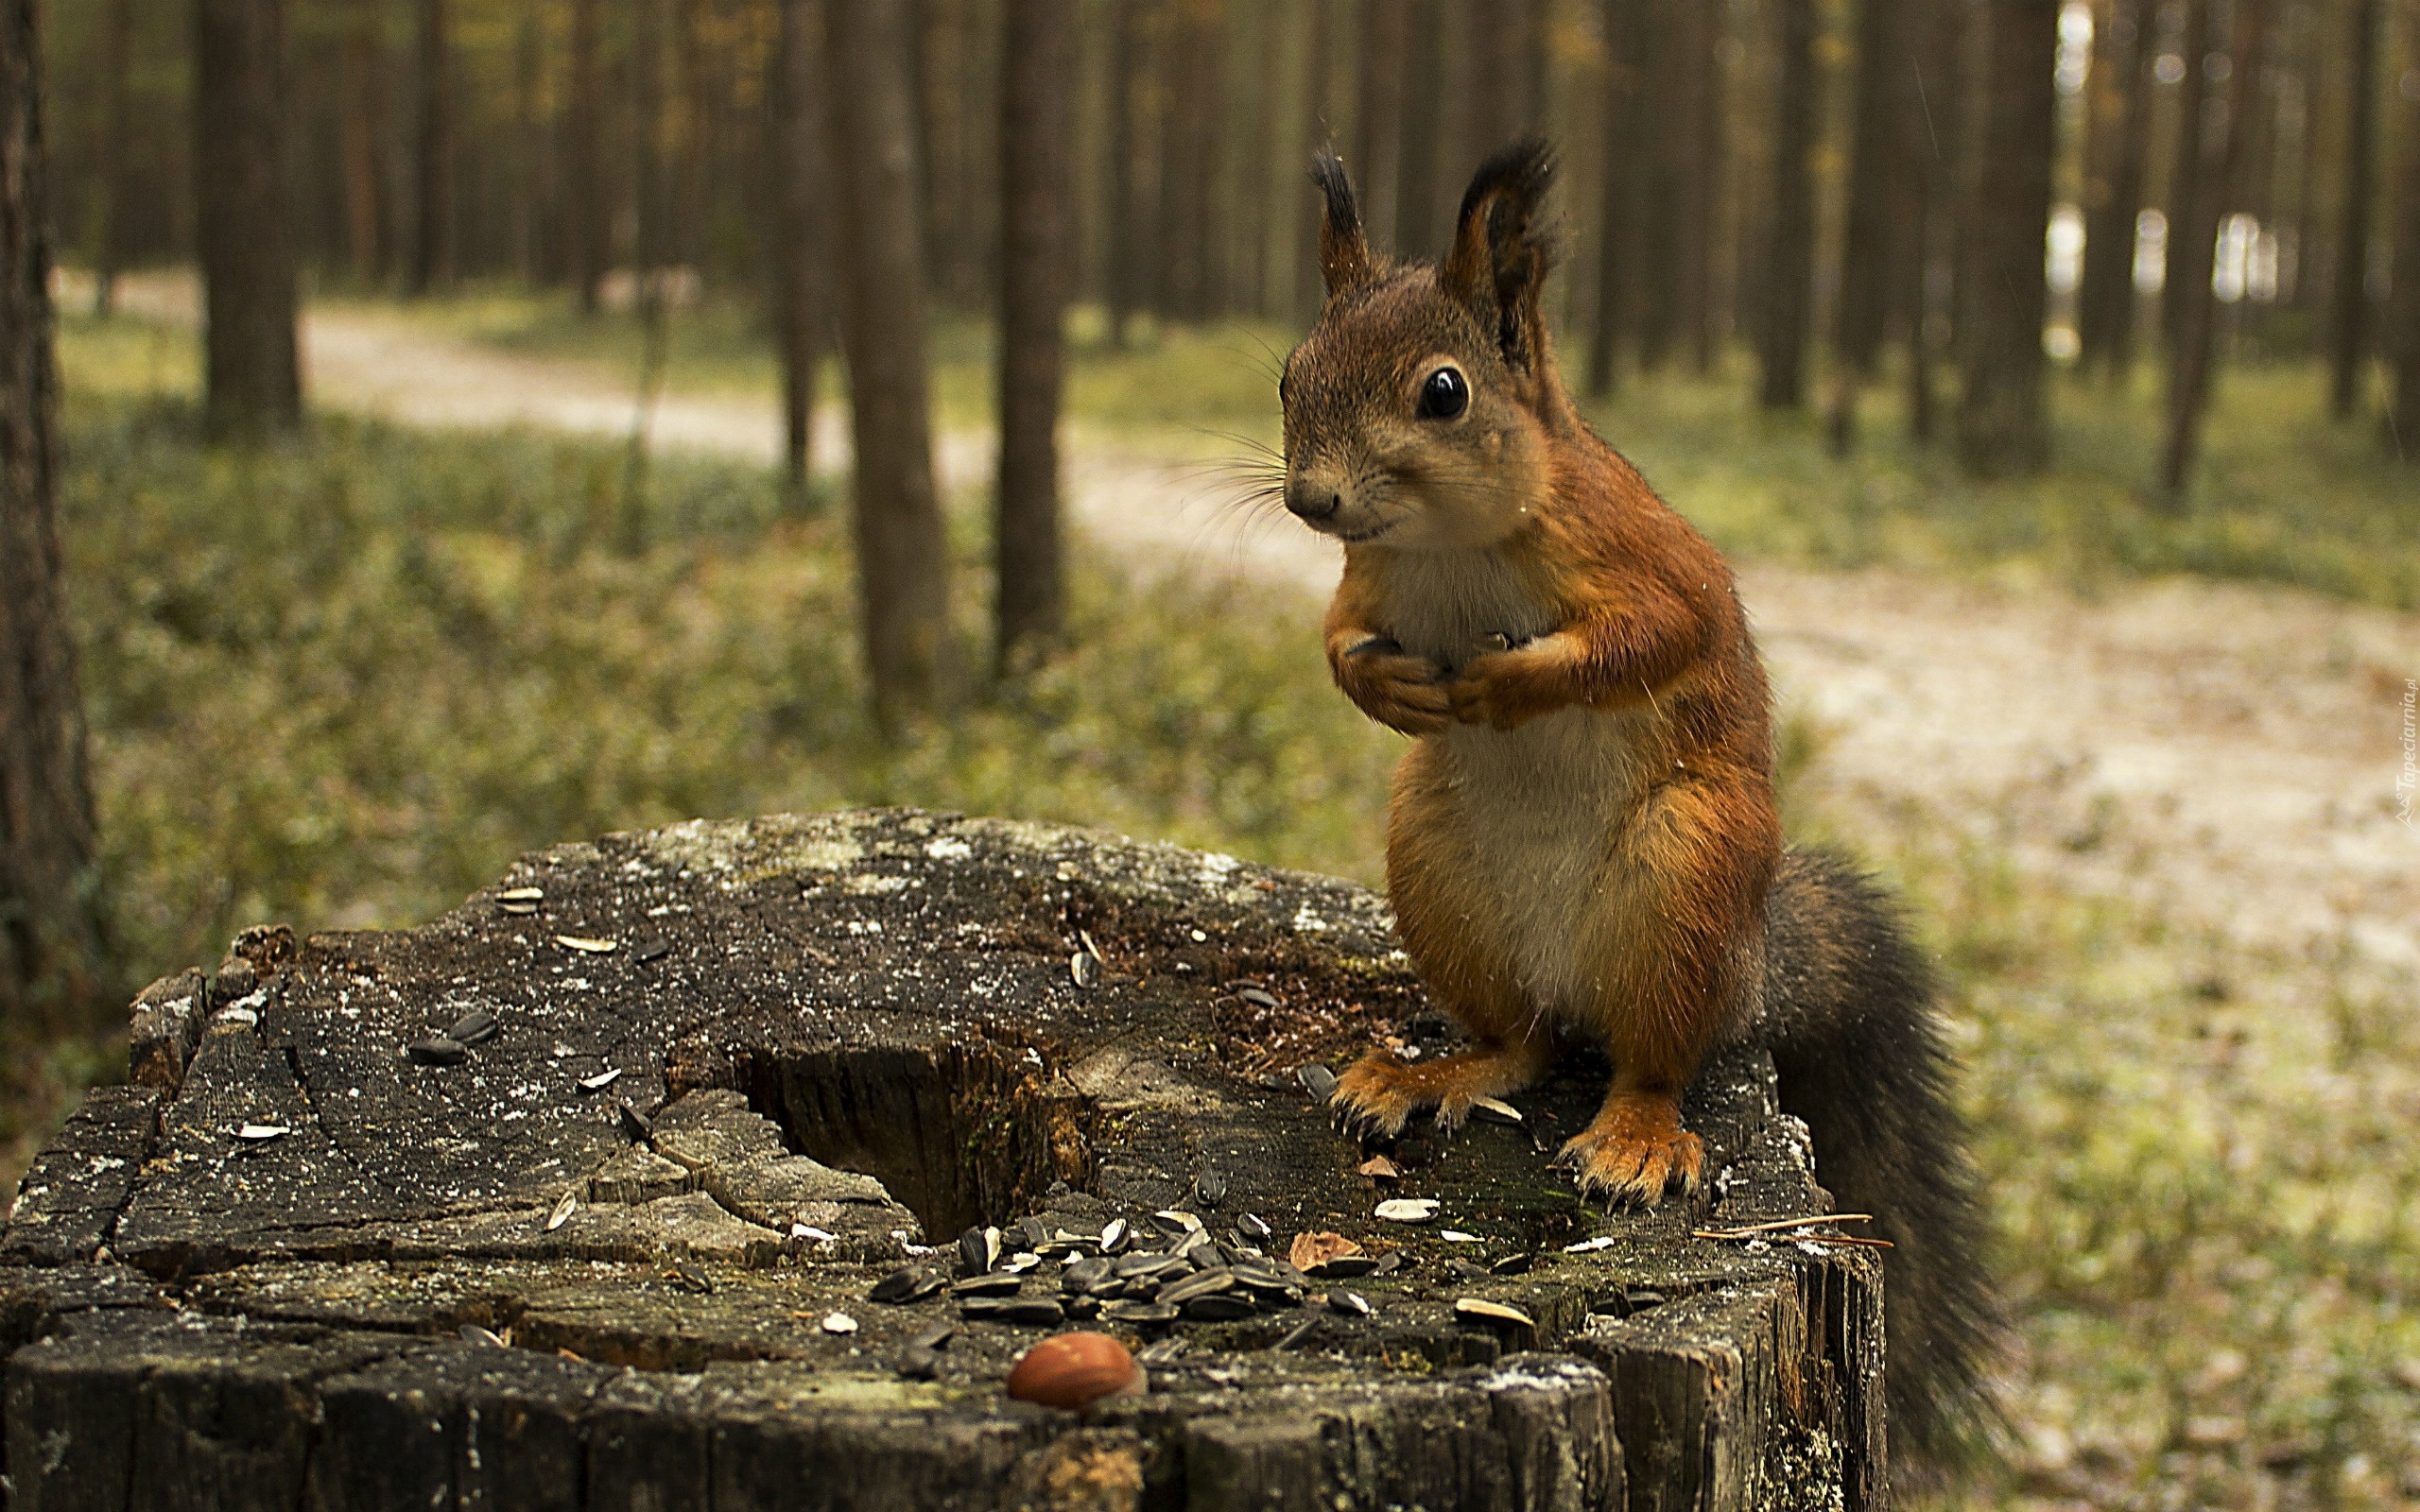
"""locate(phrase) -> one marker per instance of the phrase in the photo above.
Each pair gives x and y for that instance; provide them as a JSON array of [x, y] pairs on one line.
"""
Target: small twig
[[1787, 1223], [1789, 1238]]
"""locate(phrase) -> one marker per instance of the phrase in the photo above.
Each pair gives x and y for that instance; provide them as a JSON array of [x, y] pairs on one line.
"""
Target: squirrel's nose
[[1314, 504]]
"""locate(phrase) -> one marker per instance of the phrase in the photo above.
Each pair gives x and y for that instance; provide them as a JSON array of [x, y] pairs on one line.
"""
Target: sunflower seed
[[588, 945], [1512, 1265], [1138, 1313], [1218, 1308], [519, 908], [1258, 997], [1497, 1109], [937, 1337], [977, 1249], [696, 1282], [1319, 1081], [1200, 1283], [1262, 1282], [1210, 1187], [564, 1207], [601, 1080], [1083, 968], [1482, 1310], [475, 1335], [1205, 1256], [1018, 1263], [633, 1123], [521, 894], [1388, 1264], [1023, 1312], [1083, 1306], [1085, 1275], [437, 1050], [1455, 1236], [1295, 1335], [1407, 1210], [1175, 1223], [909, 1283], [475, 1027], [916, 1362], [652, 950], [1147, 1266], [1344, 1267], [258, 1132], [995, 1283], [840, 1323], [1254, 1228], [1351, 1304], [1032, 1233], [1113, 1236], [811, 1234]]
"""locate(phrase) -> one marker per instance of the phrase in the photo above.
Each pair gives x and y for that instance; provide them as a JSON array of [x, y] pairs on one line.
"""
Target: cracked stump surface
[[571, 1197]]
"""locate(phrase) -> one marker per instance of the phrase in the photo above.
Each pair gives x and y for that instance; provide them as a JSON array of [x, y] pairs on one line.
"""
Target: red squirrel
[[1582, 842]]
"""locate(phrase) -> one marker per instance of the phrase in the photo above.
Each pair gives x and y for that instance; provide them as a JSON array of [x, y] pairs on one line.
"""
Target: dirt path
[[2231, 752]]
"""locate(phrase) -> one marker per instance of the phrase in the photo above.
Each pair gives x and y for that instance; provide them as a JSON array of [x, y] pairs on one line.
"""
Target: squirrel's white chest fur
[[1540, 805]]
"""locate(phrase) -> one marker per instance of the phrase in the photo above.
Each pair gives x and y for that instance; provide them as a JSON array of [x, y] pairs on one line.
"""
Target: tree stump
[[576, 1197]]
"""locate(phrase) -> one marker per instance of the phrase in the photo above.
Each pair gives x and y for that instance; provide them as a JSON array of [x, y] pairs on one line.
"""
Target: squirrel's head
[[1421, 408]]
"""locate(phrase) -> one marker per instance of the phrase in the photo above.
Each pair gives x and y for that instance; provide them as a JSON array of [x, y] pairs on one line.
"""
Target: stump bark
[[480, 1273]]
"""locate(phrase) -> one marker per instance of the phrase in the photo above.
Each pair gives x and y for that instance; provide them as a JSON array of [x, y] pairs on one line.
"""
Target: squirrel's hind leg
[[1634, 1149], [1382, 1092]]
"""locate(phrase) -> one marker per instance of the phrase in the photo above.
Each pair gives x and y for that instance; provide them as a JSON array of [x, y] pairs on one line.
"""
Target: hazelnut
[[1074, 1370]]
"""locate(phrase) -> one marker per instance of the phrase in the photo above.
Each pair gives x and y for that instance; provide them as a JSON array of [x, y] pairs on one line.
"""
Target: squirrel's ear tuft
[[1345, 262], [1498, 268]]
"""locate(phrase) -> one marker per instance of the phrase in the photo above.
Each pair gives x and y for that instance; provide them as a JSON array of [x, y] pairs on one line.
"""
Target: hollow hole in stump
[[960, 1136]]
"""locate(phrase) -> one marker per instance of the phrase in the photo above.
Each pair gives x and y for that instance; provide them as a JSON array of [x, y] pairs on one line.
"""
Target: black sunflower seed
[[475, 1027], [909, 1283], [1200, 1283], [990, 1283], [437, 1050], [1138, 1313], [1218, 1308]]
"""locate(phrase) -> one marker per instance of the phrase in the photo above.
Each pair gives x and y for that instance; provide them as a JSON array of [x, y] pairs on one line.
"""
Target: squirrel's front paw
[[1505, 689], [1398, 690], [1633, 1151], [1377, 1097]]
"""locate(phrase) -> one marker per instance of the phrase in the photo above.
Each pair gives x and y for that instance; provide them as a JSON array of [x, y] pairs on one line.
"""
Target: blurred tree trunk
[[902, 581], [364, 205], [2185, 178], [1420, 112], [1868, 273], [2117, 138], [1317, 134], [51, 943], [115, 196], [1693, 136], [1508, 93], [433, 155], [1929, 138], [2002, 427], [253, 381], [1789, 263], [1126, 60], [1656, 180], [584, 209], [1618, 225], [2216, 173], [2403, 413], [1193, 57], [799, 255], [1035, 124], [1376, 162], [528, 148], [2348, 303], [654, 250]]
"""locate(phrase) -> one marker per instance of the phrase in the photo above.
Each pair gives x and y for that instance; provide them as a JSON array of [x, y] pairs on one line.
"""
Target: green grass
[[344, 680]]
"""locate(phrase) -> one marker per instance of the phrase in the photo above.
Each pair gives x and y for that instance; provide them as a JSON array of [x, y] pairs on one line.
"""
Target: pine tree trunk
[[2403, 413], [2192, 245], [584, 209], [1929, 140], [2185, 178], [51, 955], [2118, 139], [2003, 424], [1617, 223], [252, 378], [901, 563], [1790, 263], [1126, 241], [433, 155], [1657, 216], [1035, 123], [1869, 239], [1692, 131], [116, 190], [2348, 303], [1376, 160], [364, 205], [1317, 127], [1420, 109], [799, 255]]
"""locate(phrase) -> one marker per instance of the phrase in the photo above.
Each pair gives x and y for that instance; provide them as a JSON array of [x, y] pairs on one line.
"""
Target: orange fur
[[1581, 839]]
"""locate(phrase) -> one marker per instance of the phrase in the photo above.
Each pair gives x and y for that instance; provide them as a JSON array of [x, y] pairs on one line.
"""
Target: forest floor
[[2148, 819]]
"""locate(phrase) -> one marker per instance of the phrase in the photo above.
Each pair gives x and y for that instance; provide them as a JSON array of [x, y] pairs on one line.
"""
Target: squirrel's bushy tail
[[1849, 1015]]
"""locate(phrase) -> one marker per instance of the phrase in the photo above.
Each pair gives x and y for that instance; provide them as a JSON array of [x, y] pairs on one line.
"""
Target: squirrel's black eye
[[1445, 395]]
